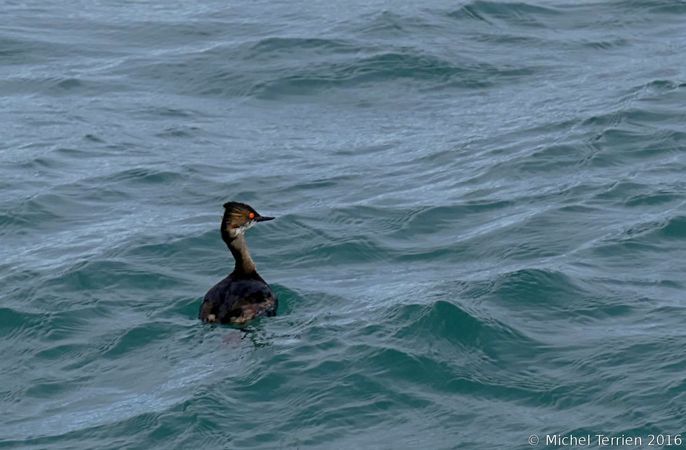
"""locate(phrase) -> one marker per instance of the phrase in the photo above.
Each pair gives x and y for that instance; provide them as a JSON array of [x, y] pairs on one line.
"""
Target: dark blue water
[[480, 234]]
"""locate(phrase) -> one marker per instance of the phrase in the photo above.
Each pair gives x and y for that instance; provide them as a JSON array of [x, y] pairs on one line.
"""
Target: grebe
[[243, 295]]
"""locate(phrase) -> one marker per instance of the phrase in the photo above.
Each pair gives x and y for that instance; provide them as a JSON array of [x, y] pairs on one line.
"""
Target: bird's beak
[[263, 218]]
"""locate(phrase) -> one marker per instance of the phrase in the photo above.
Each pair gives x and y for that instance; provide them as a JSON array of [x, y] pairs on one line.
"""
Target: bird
[[243, 295]]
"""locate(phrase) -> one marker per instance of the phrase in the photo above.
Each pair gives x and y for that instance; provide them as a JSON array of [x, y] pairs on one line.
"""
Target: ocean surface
[[480, 237]]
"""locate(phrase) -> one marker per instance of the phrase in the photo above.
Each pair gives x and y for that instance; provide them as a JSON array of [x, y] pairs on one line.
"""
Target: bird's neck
[[239, 249]]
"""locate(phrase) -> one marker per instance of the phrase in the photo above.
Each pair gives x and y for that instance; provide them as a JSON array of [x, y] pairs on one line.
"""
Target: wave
[[644, 236], [276, 46], [60, 86], [447, 321], [513, 13], [207, 73], [650, 6]]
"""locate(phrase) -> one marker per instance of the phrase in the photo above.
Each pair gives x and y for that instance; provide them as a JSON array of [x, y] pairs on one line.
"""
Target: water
[[480, 229]]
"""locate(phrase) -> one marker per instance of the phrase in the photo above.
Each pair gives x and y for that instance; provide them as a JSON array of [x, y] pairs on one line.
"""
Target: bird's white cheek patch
[[244, 228]]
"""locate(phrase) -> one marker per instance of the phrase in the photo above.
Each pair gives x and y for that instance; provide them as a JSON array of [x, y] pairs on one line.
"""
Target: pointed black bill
[[263, 218]]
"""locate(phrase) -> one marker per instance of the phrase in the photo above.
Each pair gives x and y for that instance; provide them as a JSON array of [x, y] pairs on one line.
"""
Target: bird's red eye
[[251, 215]]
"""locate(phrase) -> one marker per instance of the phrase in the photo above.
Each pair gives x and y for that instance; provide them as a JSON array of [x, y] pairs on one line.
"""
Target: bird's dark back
[[226, 298]]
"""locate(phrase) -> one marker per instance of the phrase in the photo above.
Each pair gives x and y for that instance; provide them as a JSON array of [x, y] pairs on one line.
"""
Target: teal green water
[[480, 234]]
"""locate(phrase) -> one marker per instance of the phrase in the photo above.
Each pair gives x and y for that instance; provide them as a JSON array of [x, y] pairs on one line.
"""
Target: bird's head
[[238, 217]]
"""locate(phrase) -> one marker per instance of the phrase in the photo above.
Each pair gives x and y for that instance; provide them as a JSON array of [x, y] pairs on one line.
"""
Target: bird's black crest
[[238, 207]]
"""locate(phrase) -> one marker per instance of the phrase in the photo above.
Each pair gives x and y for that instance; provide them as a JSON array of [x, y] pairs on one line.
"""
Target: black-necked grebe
[[243, 295]]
